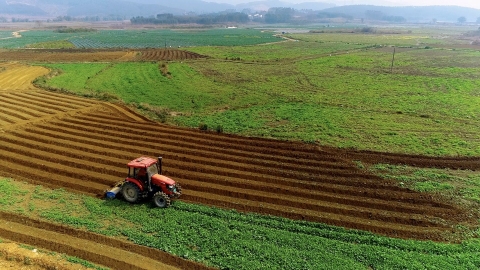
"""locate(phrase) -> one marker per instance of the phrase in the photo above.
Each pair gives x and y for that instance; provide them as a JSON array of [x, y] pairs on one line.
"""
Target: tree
[[279, 15], [462, 19]]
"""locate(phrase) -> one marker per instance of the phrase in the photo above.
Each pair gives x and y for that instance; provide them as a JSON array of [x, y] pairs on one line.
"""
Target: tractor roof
[[142, 162]]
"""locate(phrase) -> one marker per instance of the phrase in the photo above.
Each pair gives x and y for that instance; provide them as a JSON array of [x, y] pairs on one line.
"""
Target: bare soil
[[14, 256], [96, 55]]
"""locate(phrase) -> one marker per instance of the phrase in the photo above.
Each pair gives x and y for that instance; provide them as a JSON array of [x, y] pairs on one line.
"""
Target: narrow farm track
[[83, 146]]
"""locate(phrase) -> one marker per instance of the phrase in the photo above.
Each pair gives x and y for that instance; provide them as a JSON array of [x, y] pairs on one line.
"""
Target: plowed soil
[[82, 145], [96, 55], [168, 54], [14, 76]]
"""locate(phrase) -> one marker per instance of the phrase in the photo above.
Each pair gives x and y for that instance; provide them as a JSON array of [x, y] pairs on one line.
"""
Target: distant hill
[[265, 5], [412, 14], [197, 6], [313, 5], [116, 7], [132, 8], [19, 8], [127, 8]]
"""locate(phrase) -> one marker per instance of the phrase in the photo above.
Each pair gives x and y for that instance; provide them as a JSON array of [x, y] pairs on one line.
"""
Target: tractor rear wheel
[[161, 200], [130, 192]]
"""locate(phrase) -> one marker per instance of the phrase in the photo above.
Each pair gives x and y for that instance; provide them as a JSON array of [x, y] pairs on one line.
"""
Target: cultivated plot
[[85, 146]]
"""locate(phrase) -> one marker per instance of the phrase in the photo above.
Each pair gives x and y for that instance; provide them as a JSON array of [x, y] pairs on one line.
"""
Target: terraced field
[[83, 145]]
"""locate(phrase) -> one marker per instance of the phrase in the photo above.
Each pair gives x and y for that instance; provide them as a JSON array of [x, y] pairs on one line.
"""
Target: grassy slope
[[231, 240], [463, 185], [296, 90], [186, 90]]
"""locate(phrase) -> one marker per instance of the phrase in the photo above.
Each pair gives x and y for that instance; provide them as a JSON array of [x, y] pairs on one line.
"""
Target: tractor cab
[[144, 179], [142, 169]]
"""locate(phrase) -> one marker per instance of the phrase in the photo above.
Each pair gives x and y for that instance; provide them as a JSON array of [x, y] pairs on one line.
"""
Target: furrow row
[[210, 152], [295, 150]]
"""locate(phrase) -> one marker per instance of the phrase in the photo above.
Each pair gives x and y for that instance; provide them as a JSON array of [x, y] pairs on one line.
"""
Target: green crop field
[[342, 94], [140, 38], [32, 37], [5, 34], [232, 240], [171, 38]]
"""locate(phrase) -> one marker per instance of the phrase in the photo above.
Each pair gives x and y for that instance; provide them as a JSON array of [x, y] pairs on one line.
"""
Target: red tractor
[[144, 180]]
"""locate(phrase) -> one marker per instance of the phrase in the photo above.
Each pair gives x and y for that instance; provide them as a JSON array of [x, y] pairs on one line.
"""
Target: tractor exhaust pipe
[[159, 165]]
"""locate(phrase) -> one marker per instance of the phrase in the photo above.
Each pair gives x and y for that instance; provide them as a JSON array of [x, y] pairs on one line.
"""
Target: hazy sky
[[463, 3]]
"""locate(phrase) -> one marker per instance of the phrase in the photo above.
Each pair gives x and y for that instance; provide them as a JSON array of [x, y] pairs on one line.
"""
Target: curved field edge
[[226, 239], [346, 101], [21, 256]]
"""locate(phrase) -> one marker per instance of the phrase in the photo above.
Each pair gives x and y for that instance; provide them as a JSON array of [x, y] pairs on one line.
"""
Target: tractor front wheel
[[130, 192], [161, 200]]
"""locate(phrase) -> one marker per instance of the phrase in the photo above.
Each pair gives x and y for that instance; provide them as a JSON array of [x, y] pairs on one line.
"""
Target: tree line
[[167, 18]]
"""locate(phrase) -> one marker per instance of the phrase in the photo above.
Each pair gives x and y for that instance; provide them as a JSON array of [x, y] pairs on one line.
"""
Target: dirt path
[[16, 34]]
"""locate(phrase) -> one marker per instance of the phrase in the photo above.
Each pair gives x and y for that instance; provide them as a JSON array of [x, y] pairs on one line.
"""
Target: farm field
[[224, 238], [10, 80], [427, 105], [142, 38], [77, 132], [99, 55], [76, 138], [81, 145]]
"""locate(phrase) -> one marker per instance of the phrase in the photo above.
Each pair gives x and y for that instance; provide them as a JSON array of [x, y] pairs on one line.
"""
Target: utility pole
[[393, 60]]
